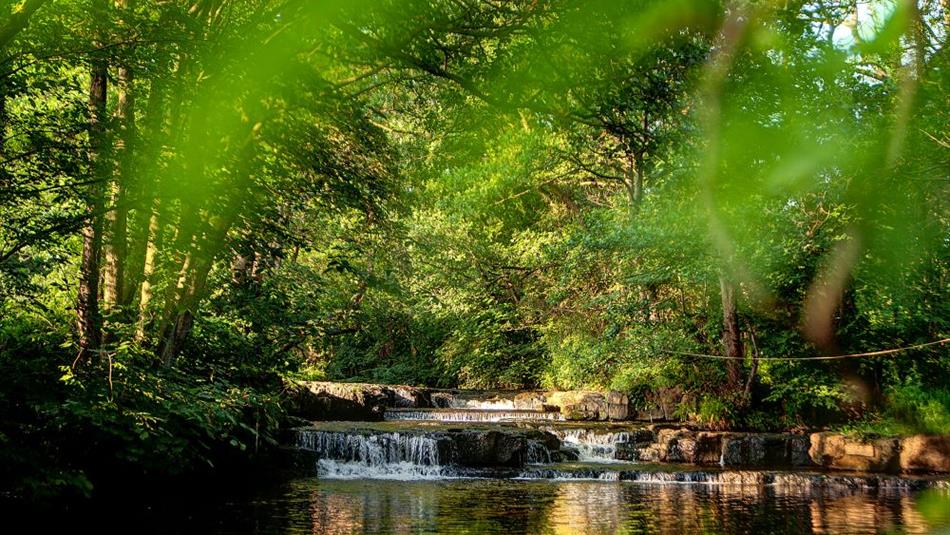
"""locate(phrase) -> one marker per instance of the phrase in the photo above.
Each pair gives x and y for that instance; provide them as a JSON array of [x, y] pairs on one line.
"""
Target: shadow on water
[[309, 505]]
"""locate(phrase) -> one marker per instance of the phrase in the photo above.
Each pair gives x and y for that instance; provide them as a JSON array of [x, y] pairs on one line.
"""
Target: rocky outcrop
[[840, 452], [765, 449], [681, 445], [589, 405], [321, 400], [925, 453], [480, 448]]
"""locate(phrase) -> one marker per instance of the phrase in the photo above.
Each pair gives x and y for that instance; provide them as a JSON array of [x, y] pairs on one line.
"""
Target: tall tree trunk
[[178, 269], [143, 246], [152, 241], [116, 246], [731, 334], [87, 307]]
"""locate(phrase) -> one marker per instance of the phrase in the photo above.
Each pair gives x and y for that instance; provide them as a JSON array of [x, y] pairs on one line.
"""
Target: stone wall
[[918, 453], [671, 444]]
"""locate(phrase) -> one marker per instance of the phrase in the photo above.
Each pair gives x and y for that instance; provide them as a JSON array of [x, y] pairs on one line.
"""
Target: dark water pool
[[542, 507]]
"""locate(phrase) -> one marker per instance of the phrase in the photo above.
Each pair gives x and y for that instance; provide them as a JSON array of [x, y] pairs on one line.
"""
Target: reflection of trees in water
[[889, 512], [372, 507], [587, 507], [487, 506], [497, 506]]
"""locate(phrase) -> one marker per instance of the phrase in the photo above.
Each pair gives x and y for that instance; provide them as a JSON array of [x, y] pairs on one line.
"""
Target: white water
[[378, 456], [401, 471], [482, 404], [590, 445], [538, 453], [472, 415]]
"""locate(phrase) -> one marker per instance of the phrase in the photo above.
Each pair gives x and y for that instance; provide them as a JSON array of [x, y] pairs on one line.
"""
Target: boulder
[[833, 450], [925, 453], [322, 400], [480, 448], [442, 399], [410, 397], [670, 445]]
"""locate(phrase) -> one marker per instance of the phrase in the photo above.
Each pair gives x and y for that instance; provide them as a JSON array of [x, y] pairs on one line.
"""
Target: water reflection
[[495, 506], [546, 507]]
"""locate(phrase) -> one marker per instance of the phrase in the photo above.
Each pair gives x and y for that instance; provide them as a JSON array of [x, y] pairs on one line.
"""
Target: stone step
[[471, 415]]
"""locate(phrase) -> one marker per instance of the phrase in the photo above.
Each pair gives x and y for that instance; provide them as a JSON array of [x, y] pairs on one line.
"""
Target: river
[[312, 505]]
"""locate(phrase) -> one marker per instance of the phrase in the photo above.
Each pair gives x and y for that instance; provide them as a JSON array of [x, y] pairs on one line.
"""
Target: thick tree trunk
[[731, 334], [87, 307]]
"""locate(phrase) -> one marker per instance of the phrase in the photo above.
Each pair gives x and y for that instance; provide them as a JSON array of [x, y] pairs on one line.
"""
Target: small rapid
[[592, 445], [378, 456]]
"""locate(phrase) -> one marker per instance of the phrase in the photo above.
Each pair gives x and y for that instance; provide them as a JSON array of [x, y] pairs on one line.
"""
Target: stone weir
[[434, 450], [381, 429]]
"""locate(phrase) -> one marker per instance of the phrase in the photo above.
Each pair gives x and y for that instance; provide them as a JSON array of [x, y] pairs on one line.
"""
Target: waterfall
[[378, 456], [470, 415], [482, 404], [592, 446], [538, 453]]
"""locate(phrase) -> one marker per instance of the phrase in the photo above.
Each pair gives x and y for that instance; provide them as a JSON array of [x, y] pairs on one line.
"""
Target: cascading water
[[538, 453], [482, 404], [380, 456], [471, 415], [592, 446]]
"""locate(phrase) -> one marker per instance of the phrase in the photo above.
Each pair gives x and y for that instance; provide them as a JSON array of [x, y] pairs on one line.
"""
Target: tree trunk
[[145, 245], [116, 247], [633, 183], [731, 334], [152, 240], [87, 307]]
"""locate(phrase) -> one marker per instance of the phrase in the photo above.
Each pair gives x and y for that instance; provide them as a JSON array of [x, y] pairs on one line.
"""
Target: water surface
[[499, 506]]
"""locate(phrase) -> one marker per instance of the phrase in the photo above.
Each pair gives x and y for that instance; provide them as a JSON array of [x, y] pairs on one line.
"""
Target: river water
[[496, 506]]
